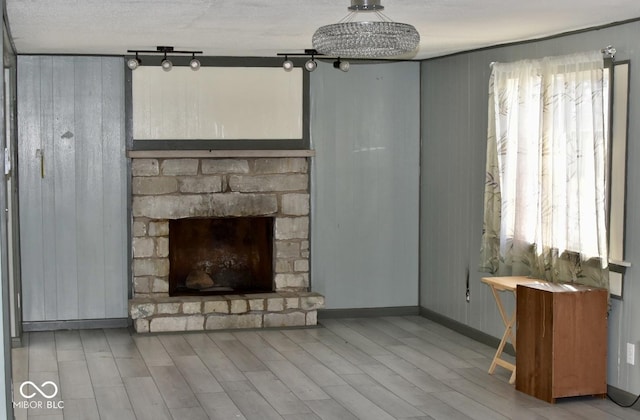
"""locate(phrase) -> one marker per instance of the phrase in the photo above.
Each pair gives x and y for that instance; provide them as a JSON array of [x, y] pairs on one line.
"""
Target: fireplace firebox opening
[[215, 256]]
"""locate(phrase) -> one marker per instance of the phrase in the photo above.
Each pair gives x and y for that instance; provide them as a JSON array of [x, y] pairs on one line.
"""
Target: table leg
[[507, 321], [512, 322], [507, 336]]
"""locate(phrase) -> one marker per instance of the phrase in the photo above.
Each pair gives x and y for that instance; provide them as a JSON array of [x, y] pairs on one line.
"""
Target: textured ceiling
[[264, 27]]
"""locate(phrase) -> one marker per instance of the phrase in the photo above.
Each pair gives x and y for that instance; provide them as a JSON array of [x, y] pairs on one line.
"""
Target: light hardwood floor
[[365, 368]]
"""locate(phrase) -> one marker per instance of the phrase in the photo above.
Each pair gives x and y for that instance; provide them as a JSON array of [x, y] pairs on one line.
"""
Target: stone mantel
[[180, 154]]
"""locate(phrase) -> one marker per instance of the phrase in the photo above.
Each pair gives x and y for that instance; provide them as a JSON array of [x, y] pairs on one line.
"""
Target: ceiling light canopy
[[363, 38]]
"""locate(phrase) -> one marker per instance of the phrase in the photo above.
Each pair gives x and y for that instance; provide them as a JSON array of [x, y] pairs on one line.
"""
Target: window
[[547, 168]]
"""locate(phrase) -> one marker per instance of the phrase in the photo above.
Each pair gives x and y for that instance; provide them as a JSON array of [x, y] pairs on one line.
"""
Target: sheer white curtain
[[545, 196]]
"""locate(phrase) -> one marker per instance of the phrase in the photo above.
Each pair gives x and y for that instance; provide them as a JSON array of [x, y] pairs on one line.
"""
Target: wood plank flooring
[[365, 368]]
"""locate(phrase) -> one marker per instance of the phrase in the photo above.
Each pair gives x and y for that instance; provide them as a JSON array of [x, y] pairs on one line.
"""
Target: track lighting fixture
[[133, 63], [287, 64], [310, 65], [342, 65], [194, 63], [166, 63]]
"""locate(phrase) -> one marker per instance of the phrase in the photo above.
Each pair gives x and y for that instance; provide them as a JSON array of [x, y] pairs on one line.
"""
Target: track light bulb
[[194, 64], [310, 65], [166, 64], [342, 65], [133, 63], [287, 65]]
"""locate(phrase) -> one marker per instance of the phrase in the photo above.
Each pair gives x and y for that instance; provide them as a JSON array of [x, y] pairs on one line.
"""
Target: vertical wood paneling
[[89, 176], [63, 171], [478, 105], [445, 175], [30, 193], [48, 183], [73, 221], [460, 82], [114, 188], [365, 130]]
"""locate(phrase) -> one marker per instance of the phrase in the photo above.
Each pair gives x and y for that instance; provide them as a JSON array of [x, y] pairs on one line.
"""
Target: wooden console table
[[508, 284]]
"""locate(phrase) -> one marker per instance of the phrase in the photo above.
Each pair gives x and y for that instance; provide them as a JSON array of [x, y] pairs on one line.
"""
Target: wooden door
[[72, 187]]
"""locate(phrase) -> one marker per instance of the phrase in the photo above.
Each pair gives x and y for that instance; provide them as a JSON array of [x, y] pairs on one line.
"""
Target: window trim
[[618, 137]]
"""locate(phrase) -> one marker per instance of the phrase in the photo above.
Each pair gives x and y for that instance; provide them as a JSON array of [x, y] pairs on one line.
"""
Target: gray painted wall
[[73, 220], [454, 127], [6, 408], [365, 130]]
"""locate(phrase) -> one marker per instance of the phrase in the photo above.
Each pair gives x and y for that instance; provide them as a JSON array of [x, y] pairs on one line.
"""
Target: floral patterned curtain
[[545, 191]]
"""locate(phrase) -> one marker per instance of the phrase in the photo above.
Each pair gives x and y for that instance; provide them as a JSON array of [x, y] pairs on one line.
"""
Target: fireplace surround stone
[[205, 184]]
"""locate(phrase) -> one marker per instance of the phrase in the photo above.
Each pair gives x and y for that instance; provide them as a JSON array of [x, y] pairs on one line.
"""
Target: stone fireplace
[[238, 221]]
